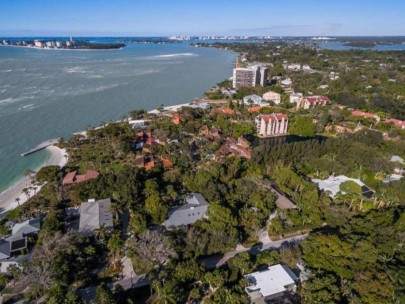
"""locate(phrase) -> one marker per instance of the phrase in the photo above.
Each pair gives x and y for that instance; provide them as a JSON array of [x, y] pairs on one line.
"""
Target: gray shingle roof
[[4, 249], [25, 228], [194, 209], [95, 214]]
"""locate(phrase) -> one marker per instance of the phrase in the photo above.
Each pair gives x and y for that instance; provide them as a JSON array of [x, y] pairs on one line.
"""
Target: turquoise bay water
[[53, 93]]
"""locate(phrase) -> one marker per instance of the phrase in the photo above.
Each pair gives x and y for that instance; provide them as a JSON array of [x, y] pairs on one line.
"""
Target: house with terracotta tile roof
[[212, 133], [398, 123], [366, 115], [226, 111], [176, 119], [309, 102], [254, 109], [274, 124], [167, 163], [147, 162], [74, 178], [232, 148]]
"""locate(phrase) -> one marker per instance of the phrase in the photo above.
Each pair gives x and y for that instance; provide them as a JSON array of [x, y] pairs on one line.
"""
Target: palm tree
[[101, 232], [18, 201], [117, 210]]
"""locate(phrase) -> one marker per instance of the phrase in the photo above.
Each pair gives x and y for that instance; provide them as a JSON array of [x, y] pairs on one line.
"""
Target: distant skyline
[[209, 17]]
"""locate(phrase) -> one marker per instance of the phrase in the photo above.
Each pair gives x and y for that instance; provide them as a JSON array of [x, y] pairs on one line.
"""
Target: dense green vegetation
[[369, 80], [352, 246]]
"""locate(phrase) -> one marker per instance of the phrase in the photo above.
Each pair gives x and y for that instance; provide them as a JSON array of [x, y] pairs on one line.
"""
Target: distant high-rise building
[[264, 73], [38, 43], [244, 77], [249, 77]]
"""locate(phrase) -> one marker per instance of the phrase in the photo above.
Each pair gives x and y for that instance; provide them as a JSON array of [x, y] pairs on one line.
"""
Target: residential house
[[397, 159], [254, 100], [272, 124], [296, 97], [176, 119], [74, 178], [366, 115], [145, 161], [332, 185], [226, 111], [273, 97], [212, 133], [233, 148], [286, 82], [95, 215], [15, 261], [19, 237], [398, 123], [310, 102], [167, 163], [194, 209], [293, 67], [254, 109], [273, 283]]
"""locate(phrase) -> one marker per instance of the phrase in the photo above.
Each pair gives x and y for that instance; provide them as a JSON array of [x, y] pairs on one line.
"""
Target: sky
[[202, 17]]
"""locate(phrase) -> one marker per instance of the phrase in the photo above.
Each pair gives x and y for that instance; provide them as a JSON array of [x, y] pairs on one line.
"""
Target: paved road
[[267, 244], [131, 280]]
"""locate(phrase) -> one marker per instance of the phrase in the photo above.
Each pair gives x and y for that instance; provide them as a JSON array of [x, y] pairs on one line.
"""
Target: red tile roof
[[317, 99], [364, 114], [254, 109], [397, 122], [73, 178], [176, 120], [274, 116]]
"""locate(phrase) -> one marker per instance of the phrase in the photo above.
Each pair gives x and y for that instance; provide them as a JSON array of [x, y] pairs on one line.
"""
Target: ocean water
[[52, 93]]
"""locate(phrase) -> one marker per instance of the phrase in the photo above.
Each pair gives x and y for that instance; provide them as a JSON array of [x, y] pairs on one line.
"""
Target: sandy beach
[[8, 198]]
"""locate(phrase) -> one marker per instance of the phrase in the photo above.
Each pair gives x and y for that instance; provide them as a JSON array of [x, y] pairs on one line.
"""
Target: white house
[[272, 96], [272, 283], [286, 82], [254, 100], [294, 67], [295, 97], [332, 185]]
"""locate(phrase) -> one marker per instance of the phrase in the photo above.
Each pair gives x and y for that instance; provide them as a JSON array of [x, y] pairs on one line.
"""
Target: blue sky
[[198, 17]]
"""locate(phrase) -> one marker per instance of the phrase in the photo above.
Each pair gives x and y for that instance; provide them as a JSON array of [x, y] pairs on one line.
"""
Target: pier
[[41, 146]]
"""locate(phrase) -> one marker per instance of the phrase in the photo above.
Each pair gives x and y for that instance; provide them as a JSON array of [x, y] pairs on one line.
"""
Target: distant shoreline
[[60, 49]]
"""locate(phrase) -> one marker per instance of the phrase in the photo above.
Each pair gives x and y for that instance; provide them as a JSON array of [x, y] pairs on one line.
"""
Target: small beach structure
[[273, 283], [95, 215], [74, 178], [193, 210]]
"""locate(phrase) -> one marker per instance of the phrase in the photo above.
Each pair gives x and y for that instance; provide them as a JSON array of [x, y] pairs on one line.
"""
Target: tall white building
[[272, 124], [38, 43], [249, 77]]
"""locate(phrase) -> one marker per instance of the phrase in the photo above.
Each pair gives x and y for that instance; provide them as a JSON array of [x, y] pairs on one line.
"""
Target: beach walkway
[[41, 146]]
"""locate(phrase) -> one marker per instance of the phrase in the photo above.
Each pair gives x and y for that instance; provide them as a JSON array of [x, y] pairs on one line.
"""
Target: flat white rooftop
[[332, 184], [271, 281]]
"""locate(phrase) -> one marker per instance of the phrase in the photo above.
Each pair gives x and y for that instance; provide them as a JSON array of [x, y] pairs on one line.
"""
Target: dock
[[41, 146]]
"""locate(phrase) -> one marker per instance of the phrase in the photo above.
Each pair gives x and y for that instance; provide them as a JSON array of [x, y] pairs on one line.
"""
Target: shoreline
[[8, 197], [59, 49]]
